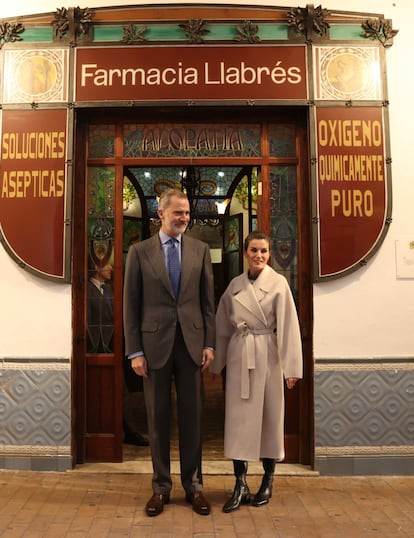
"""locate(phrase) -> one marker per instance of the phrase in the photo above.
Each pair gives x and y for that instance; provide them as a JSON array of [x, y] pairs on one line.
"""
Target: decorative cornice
[[76, 26], [380, 30]]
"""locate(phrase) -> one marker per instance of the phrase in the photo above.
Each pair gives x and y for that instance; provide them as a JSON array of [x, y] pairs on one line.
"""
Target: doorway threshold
[[210, 467]]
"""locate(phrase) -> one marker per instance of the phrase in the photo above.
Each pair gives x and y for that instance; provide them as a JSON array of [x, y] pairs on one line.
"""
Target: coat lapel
[[247, 297]]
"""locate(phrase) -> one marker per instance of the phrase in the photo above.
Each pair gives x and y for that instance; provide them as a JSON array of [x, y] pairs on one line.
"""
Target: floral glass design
[[284, 223]]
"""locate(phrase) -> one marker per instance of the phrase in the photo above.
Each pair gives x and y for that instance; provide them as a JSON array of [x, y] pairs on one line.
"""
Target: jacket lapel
[[187, 261], [155, 257]]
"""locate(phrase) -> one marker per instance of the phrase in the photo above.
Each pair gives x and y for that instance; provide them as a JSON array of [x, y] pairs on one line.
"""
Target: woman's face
[[257, 255]]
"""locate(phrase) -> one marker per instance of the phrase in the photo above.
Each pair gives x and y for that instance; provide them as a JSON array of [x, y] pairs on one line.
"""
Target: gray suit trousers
[[186, 375]]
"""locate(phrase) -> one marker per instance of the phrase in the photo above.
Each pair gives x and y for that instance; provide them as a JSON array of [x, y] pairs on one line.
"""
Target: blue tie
[[174, 266]]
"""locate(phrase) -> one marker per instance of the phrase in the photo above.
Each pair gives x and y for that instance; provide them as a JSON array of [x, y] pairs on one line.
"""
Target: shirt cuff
[[134, 355]]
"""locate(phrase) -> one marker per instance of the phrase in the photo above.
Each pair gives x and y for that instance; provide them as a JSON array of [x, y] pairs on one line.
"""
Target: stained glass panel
[[101, 191], [101, 141], [284, 223], [282, 140], [100, 229], [215, 180], [200, 140]]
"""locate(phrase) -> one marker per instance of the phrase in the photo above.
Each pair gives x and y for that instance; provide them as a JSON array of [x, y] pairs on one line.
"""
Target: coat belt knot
[[248, 356]]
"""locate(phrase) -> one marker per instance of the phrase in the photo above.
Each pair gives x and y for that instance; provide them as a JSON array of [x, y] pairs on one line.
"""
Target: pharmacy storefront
[[268, 118]]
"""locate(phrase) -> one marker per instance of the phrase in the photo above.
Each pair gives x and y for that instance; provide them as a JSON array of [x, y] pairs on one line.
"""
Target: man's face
[[175, 217], [105, 272]]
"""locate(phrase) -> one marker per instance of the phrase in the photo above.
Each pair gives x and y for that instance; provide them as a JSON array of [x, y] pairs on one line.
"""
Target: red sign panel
[[32, 187], [352, 187], [191, 72]]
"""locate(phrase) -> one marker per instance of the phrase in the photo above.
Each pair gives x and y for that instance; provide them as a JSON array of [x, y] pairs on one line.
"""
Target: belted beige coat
[[258, 340]]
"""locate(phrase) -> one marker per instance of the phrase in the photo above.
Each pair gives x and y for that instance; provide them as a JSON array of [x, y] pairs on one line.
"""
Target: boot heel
[[245, 498], [262, 496]]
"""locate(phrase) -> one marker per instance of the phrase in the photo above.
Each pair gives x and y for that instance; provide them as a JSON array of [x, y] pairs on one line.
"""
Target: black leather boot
[[265, 490], [241, 493]]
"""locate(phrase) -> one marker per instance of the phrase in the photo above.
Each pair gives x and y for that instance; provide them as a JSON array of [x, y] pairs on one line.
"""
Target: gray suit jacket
[[151, 312]]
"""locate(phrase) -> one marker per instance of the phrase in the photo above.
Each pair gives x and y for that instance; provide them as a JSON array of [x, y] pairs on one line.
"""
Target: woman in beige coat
[[258, 340]]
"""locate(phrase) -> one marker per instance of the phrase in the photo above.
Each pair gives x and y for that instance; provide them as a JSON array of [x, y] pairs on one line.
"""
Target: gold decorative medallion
[[38, 75], [347, 73]]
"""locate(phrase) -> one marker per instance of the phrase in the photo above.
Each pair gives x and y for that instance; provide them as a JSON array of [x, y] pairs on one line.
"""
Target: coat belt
[[248, 359]]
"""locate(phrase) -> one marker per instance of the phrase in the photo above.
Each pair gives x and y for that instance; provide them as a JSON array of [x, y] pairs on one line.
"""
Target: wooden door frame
[[305, 388], [105, 446], [305, 286], [78, 292]]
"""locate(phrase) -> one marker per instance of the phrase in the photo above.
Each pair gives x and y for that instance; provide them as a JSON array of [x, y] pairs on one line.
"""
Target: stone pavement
[[78, 504]]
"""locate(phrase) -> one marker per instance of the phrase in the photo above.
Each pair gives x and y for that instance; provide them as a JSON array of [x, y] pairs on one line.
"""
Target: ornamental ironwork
[[72, 23], [10, 33], [380, 30], [309, 20], [248, 31], [195, 29], [133, 34]]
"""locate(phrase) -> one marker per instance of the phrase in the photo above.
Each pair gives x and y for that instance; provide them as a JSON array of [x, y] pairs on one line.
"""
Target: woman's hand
[[291, 382]]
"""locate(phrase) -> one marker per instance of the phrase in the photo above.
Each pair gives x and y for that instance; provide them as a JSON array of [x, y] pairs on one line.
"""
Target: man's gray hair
[[165, 198]]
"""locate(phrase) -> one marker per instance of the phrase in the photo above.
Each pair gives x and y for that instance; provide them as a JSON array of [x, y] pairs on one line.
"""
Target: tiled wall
[[364, 417], [35, 414]]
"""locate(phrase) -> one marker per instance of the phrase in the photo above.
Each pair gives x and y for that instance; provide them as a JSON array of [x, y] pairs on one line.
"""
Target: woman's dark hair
[[256, 235]]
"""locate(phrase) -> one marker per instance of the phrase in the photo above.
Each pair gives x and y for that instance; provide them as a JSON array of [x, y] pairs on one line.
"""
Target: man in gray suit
[[169, 335]]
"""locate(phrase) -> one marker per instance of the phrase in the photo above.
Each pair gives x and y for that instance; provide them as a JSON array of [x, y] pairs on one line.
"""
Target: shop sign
[[192, 72], [33, 187], [352, 186]]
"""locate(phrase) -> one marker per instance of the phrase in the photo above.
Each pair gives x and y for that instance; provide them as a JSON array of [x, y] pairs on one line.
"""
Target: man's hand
[[139, 365], [208, 358]]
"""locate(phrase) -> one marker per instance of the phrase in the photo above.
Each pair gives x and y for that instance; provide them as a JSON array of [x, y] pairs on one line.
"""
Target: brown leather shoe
[[155, 505], [200, 504]]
